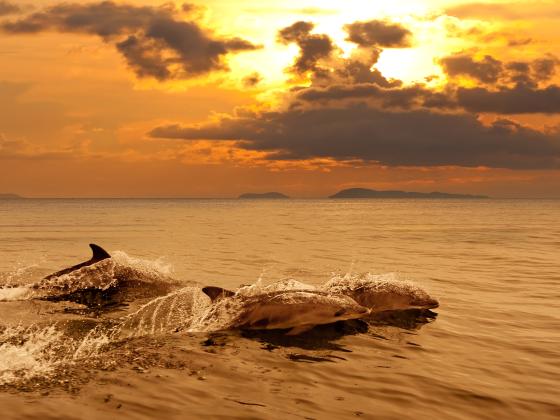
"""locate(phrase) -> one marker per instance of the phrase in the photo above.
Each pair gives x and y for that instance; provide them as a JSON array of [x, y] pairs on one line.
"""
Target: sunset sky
[[215, 98]]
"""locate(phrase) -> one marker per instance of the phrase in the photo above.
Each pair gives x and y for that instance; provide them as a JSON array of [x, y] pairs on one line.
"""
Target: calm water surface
[[492, 352]]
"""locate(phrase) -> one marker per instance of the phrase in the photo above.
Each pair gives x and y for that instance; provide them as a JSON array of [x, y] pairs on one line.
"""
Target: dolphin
[[98, 282], [381, 295], [294, 310]]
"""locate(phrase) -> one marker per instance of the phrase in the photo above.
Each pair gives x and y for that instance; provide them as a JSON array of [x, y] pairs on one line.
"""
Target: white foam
[[27, 352], [37, 351], [159, 265], [281, 285], [11, 294]]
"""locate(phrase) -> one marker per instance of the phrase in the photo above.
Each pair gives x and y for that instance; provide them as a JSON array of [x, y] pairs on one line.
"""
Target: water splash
[[181, 309], [281, 285], [10, 294], [40, 352], [392, 279], [18, 276], [28, 352], [158, 266]]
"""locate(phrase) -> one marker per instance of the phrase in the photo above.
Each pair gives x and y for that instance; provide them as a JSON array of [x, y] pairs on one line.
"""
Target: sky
[[216, 98]]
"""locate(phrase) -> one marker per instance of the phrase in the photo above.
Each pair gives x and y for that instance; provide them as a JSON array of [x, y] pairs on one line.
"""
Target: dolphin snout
[[432, 304], [363, 311], [425, 303]]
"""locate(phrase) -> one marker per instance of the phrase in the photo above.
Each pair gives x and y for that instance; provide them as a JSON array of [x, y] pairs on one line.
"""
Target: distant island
[[10, 197], [267, 196], [367, 193]]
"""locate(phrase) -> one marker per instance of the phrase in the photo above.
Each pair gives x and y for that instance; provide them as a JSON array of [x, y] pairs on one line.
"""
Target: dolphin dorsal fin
[[217, 293], [99, 253]]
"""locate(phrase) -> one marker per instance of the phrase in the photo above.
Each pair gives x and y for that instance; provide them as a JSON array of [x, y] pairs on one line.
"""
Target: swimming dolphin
[[101, 281], [380, 294], [296, 310]]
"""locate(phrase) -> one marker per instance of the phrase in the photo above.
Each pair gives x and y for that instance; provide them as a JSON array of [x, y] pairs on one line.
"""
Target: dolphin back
[[99, 254]]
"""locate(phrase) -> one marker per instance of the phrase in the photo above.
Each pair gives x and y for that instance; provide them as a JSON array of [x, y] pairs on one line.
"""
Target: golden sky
[[216, 98]]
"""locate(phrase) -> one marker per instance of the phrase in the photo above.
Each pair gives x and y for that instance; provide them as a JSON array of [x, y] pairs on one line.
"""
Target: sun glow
[[261, 23]]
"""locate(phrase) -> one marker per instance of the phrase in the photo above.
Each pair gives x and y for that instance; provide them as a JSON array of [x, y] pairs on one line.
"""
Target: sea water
[[493, 351]]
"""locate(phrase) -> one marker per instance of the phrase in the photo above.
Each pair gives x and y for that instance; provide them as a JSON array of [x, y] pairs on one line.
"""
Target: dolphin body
[[294, 310], [381, 295], [99, 282]]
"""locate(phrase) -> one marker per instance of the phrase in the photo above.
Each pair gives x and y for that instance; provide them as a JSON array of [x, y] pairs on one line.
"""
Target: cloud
[[392, 138], [520, 99], [252, 80], [8, 8], [313, 47], [378, 33], [489, 70], [407, 97], [350, 113], [153, 40], [323, 63], [545, 68], [486, 70]]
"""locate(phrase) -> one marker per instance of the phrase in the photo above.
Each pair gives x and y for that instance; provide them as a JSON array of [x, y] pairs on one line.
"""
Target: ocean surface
[[492, 351]]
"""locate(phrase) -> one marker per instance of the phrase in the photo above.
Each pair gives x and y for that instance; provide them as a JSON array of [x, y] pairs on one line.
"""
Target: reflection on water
[[490, 351]]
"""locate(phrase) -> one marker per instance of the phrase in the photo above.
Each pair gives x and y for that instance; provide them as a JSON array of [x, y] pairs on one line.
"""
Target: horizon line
[[258, 199]]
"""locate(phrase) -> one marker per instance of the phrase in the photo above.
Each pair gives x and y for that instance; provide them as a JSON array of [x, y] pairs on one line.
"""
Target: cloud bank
[[154, 41], [347, 111]]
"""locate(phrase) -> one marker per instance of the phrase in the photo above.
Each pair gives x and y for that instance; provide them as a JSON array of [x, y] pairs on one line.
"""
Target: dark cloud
[[486, 70], [519, 72], [153, 40], [491, 71], [520, 99], [407, 138], [378, 33], [350, 112], [545, 68], [252, 80], [8, 8], [144, 57], [313, 47], [323, 62], [386, 97], [356, 69]]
